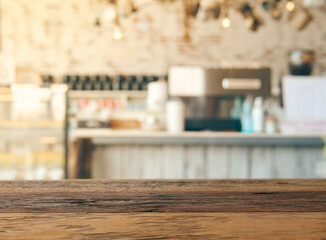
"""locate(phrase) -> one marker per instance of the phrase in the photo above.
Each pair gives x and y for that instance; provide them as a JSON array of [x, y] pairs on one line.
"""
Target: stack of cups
[[156, 102], [175, 116], [157, 96]]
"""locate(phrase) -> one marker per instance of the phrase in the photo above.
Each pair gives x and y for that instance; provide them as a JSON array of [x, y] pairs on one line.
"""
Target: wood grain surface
[[140, 209], [164, 226]]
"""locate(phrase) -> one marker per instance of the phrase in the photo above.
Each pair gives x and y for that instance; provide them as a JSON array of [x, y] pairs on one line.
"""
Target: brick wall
[[59, 37]]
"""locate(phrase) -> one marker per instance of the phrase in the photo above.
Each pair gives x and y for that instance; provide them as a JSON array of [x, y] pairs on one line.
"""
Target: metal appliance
[[210, 94]]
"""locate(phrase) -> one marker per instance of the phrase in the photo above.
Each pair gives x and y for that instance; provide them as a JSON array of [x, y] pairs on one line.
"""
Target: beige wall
[[59, 36]]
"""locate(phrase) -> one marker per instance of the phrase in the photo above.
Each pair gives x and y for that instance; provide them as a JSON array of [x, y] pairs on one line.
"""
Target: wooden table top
[[163, 209]]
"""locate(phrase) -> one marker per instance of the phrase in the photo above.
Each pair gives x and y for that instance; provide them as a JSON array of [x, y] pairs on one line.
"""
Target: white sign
[[304, 98]]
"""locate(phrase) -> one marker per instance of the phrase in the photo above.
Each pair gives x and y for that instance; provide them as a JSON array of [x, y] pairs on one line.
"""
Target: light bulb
[[117, 33], [226, 22], [290, 5], [109, 14]]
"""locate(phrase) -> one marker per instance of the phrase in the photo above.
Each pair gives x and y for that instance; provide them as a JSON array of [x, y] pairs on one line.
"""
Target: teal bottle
[[246, 116], [236, 109]]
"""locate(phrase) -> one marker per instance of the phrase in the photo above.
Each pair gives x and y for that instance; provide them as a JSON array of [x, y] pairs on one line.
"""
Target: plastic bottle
[[258, 115], [246, 117], [236, 109]]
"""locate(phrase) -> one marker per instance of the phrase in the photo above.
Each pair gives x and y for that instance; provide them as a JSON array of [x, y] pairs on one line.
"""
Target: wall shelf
[[31, 124], [105, 94]]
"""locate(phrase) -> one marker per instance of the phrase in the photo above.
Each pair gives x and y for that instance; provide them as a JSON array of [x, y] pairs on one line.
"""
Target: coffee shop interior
[[162, 89]]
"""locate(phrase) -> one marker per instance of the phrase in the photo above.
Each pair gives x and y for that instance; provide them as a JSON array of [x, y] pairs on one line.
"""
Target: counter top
[[108, 136], [148, 209]]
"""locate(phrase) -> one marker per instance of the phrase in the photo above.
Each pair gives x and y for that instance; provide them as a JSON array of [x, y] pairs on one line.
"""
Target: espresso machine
[[211, 95]]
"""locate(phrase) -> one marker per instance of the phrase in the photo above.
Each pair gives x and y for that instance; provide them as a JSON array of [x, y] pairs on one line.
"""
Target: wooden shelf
[[31, 124], [5, 94], [105, 94]]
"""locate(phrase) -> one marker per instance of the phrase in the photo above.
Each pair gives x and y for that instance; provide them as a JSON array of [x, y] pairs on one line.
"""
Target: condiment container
[[175, 116]]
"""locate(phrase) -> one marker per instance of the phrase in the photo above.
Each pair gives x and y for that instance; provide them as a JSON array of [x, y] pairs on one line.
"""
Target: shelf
[[15, 130], [30, 135], [106, 94], [6, 95], [31, 124]]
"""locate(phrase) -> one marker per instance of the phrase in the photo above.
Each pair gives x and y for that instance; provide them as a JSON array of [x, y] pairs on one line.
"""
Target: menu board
[[304, 98]]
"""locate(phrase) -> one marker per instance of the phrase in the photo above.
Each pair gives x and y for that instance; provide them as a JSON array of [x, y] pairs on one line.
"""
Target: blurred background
[[162, 88]]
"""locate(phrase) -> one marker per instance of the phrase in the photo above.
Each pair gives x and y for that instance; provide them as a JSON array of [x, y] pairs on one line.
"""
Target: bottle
[[117, 83], [258, 115], [246, 117], [271, 124], [236, 109]]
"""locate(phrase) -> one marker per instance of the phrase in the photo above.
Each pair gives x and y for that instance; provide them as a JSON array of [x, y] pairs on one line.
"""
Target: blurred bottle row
[[104, 82]]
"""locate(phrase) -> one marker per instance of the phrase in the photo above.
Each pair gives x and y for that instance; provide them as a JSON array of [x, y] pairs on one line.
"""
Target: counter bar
[[107, 136]]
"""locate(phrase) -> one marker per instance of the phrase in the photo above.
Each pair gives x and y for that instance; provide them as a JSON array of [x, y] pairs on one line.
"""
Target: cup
[[175, 116]]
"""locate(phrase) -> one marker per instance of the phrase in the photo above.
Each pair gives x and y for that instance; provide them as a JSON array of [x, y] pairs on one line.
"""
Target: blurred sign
[[304, 105], [304, 97]]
